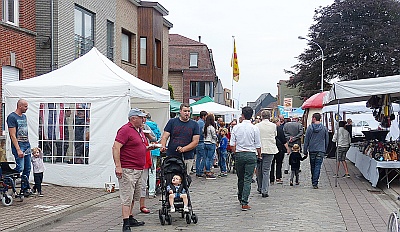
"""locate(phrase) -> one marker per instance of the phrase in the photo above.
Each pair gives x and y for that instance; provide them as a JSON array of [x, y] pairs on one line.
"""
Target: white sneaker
[[186, 209], [172, 209]]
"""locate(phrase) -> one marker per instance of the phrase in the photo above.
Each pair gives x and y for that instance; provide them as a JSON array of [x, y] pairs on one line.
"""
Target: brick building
[[192, 72], [133, 36], [17, 42]]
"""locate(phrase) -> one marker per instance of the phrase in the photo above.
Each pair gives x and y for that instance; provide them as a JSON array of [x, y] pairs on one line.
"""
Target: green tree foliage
[[171, 91], [360, 39]]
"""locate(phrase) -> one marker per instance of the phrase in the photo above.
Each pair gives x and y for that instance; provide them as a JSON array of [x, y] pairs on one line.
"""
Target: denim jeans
[[316, 159], [245, 162], [209, 149], [153, 175], [24, 164], [200, 161], [222, 160]]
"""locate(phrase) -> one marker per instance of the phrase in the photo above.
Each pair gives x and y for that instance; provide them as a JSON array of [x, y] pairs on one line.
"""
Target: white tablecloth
[[369, 167]]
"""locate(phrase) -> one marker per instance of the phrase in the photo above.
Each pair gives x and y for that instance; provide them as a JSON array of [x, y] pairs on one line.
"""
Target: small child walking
[[38, 169], [223, 144], [176, 191], [294, 162]]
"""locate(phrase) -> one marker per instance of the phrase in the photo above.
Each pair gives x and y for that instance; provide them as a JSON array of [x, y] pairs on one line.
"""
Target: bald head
[[22, 106]]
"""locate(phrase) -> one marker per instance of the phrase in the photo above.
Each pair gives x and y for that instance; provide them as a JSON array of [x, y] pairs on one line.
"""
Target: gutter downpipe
[[52, 34]]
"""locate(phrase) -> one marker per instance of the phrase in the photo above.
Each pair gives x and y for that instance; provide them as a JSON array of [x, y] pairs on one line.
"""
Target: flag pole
[[233, 47]]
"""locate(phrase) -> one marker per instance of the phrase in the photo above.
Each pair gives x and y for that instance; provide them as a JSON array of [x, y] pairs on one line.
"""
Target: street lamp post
[[322, 60]]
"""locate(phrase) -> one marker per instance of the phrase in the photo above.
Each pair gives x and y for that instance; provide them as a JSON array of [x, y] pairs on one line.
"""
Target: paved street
[[352, 206]]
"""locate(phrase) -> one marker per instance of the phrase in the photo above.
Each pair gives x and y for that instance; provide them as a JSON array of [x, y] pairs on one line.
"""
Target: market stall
[[75, 112], [374, 156]]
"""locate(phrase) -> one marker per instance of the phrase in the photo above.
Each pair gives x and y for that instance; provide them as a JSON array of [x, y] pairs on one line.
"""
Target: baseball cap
[[136, 112]]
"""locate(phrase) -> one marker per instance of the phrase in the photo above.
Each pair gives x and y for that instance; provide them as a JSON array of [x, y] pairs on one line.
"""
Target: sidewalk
[[352, 206]]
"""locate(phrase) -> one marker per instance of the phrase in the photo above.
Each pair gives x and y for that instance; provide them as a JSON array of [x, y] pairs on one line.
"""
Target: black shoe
[[259, 191], [286, 172], [27, 193], [299, 170], [265, 195], [291, 183], [133, 222], [315, 186], [126, 228]]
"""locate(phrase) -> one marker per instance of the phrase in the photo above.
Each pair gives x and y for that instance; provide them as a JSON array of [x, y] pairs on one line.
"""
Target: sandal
[[143, 209]]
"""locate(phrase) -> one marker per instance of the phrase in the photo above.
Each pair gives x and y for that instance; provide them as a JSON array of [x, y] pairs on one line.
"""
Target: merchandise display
[[380, 150]]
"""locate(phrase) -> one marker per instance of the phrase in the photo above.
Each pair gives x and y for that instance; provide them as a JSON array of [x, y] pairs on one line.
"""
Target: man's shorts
[[130, 186], [342, 153]]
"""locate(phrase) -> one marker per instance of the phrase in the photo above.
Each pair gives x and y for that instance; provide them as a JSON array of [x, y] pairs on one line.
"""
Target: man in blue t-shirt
[[183, 134], [20, 146]]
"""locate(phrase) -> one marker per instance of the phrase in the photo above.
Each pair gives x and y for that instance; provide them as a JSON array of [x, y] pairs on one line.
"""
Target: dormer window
[[193, 59]]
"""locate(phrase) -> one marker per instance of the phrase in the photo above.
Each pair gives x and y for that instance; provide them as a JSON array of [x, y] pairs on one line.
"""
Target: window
[[201, 88], [64, 132], [11, 11], [143, 50], [193, 59], [110, 40], [84, 31], [227, 97], [8, 74], [157, 53], [126, 47]]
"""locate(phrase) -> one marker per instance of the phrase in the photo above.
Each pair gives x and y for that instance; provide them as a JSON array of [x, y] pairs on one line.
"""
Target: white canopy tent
[[110, 91], [354, 107], [355, 91], [214, 108], [362, 90], [359, 112]]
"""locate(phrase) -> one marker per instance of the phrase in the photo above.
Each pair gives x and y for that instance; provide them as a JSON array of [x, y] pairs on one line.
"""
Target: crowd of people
[[259, 146]]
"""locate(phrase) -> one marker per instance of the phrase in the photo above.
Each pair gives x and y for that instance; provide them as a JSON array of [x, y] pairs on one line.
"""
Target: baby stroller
[[8, 179], [174, 166]]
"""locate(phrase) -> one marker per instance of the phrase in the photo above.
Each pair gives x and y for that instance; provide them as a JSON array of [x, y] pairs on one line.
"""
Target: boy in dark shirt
[[294, 161]]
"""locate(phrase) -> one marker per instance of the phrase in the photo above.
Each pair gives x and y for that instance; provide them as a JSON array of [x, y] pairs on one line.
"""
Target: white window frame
[[143, 50], [8, 74], [193, 59], [6, 12], [125, 47]]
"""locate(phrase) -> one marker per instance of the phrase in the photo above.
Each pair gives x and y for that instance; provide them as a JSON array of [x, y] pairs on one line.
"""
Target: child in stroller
[[170, 168], [177, 191]]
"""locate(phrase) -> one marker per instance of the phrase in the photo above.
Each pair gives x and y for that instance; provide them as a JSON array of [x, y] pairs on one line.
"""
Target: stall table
[[370, 168]]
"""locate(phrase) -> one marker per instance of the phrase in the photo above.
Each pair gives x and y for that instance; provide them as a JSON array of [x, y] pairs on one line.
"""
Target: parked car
[[358, 127]]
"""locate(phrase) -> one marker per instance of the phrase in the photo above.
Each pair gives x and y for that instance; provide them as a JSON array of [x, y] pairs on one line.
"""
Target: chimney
[[199, 38]]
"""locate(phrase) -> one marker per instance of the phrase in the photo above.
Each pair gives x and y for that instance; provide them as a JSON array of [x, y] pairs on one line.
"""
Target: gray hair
[[266, 114]]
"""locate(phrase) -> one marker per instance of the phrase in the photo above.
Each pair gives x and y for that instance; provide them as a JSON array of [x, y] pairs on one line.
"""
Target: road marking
[[52, 209]]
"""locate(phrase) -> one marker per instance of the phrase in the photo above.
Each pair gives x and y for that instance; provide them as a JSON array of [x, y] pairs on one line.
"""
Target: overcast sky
[[266, 34]]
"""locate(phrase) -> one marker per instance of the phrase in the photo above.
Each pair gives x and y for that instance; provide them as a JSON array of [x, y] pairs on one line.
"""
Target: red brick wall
[[19, 41], [27, 14]]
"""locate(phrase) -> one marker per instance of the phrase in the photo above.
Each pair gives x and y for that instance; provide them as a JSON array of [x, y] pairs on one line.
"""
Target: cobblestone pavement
[[351, 206]]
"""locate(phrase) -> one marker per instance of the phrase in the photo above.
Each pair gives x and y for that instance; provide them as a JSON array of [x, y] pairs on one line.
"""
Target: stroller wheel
[[188, 220], [168, 218], [194, 218], [7, 200]]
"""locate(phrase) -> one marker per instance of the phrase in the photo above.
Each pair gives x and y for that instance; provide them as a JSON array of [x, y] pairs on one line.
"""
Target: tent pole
[[337, 143]]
